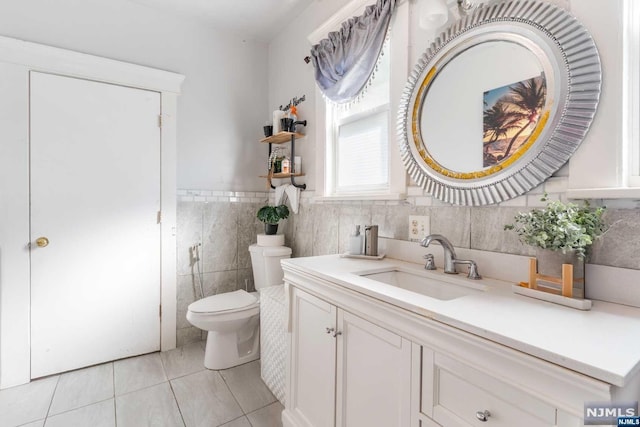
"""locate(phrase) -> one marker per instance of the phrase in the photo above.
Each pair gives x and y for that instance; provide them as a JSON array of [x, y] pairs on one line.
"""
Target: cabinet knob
[[483, 415], [329, 330], [336, 333]]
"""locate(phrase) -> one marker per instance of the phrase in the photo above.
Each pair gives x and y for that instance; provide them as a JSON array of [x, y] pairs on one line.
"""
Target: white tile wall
[[322, 224], [207, 196]]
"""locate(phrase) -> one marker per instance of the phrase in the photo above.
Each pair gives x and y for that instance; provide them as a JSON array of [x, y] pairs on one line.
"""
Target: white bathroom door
[[95, 197]]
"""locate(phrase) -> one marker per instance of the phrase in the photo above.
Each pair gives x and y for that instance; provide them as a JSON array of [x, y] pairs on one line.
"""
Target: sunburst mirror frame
[[571, 64]]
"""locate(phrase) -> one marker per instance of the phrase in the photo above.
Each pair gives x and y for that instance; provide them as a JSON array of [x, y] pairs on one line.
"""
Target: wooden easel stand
[[565, 282]]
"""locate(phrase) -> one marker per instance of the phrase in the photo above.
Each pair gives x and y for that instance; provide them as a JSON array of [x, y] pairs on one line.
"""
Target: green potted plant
[[562, 233], [564, 227], [271, 216]]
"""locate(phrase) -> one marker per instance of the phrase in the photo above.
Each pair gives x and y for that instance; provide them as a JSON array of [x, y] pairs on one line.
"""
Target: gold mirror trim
[[433, 164]]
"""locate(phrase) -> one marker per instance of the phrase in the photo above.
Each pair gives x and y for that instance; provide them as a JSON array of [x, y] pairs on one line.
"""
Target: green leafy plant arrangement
[[273, 214], [560, 226]]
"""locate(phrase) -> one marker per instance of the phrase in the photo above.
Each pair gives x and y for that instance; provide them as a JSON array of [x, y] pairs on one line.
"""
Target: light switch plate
[[418, 227]]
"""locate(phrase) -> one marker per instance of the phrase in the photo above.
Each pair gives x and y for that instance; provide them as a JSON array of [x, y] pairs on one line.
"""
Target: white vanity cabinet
[[362, 355], [344, 370]]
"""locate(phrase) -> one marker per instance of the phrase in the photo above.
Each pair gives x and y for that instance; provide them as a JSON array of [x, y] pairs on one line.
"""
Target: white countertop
[[603, 343]]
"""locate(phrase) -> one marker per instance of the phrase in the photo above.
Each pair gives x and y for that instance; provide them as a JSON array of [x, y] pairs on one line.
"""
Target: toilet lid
[[270, 250], [223, 302]]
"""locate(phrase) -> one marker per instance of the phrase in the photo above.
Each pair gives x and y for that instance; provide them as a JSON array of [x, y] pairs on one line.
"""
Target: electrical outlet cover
[[418, 227]]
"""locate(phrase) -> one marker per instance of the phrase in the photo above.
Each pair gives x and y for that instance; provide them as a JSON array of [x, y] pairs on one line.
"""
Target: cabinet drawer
[[458, 391]]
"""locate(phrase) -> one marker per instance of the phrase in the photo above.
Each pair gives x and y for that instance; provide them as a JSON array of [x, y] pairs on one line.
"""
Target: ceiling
[[255, 19]]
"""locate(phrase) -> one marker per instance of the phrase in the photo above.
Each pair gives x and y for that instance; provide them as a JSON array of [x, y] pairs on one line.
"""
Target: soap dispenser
[[355, 242]]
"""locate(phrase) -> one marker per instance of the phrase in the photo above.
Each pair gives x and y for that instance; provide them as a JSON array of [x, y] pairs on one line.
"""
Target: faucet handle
[[430, 263], [473, 268], [473, 271]]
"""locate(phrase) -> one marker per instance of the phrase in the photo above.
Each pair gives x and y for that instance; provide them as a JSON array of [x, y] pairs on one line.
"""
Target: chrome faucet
[[450, 259], [449, 252]]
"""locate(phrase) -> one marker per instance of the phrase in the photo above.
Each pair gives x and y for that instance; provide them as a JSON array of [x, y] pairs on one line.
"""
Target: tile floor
[[156, 390]]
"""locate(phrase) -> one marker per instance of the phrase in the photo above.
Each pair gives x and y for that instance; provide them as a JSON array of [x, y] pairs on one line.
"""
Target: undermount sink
[[433, 285]]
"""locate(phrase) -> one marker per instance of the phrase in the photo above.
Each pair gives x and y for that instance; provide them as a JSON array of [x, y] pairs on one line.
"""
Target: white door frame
[[17, 59]]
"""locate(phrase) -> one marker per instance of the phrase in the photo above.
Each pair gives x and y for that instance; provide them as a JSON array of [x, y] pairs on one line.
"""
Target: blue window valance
[[345, 61]]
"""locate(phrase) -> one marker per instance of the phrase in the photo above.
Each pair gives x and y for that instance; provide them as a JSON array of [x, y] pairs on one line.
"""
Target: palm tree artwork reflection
[[510, 115]]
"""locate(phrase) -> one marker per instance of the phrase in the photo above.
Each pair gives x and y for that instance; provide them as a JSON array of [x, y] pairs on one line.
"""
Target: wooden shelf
[[282, 175], [281, 137]]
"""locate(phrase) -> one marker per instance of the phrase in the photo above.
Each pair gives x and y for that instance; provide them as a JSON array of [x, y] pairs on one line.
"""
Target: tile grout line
[[236, 419], [262, 407], [175, 399], [246, 414], [52, 396], [173, 393], [150, 385], [201, 342], [231, 392], [250, 423], [164, 369], [115, 410], [140, 389], [79, 407]]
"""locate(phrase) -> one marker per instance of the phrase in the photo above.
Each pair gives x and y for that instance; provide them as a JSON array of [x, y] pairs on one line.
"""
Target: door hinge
[[160, 120], [159, 218], [160, 310]]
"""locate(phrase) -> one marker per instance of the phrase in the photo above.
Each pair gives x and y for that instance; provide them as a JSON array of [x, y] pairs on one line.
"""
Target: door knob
[[42, 242]]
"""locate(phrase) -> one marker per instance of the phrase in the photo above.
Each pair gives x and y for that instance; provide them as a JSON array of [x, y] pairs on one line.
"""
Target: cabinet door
[[313, 360], [373, 375]]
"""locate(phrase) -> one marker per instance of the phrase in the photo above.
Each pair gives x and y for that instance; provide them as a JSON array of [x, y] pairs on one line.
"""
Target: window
[[611, 148], [631, 92], [357, 155], [362, 153]]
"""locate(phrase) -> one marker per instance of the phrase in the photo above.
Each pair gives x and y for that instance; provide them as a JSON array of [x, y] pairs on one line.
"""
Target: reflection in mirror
[[511, 114], [472, 109]]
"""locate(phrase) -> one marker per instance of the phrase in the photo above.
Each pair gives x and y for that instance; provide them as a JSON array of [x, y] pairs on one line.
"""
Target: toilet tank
[[265, 261]]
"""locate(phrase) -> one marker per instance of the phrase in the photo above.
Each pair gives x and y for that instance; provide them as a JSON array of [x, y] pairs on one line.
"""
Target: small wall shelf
[[281, 175], [281, 138]]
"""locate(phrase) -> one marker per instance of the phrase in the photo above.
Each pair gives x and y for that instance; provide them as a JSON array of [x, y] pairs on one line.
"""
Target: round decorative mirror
[[499, 102]]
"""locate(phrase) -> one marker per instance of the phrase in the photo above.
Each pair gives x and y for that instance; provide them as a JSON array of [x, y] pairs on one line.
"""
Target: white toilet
[[233, 318]]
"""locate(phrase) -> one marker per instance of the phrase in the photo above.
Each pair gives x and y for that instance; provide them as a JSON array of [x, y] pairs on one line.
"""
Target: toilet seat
[[232, 320], [227, 303]]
